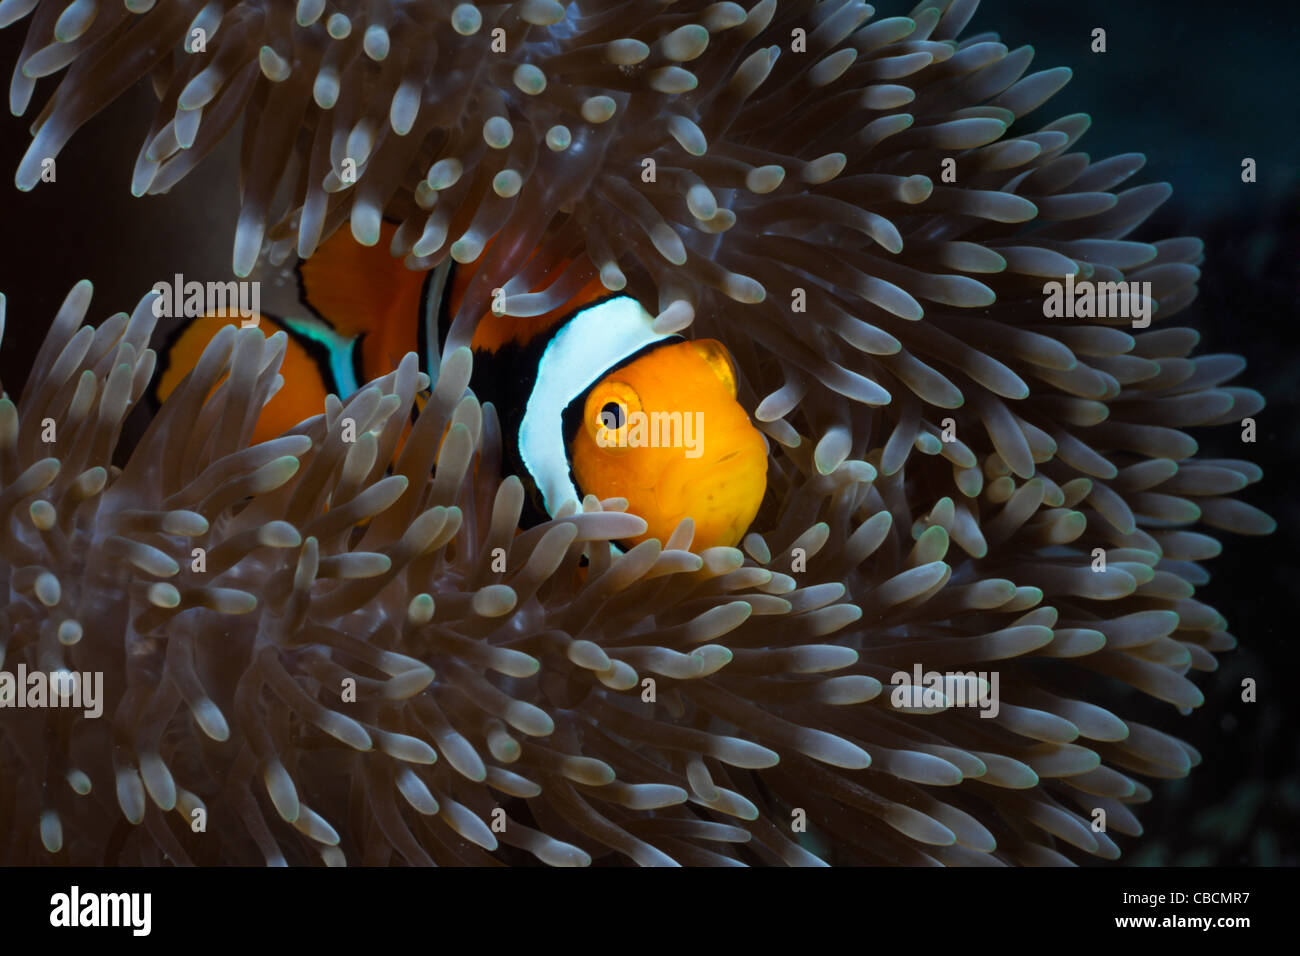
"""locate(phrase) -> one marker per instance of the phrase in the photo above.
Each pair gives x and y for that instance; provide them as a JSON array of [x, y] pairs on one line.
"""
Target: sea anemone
[[293, 634], [856, 209]]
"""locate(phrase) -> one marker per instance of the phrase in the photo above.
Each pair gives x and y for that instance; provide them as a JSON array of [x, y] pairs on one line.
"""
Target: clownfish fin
[[366, 294], [354, 287], [496, 330], [305, 370]]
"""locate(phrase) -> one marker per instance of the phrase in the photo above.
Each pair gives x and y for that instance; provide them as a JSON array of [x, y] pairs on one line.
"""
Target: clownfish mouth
[[721, 496]]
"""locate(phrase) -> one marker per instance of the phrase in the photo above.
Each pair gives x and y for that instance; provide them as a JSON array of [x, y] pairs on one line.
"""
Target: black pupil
[[611, 416]]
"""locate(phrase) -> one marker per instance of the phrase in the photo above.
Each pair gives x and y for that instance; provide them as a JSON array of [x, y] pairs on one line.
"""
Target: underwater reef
[[306, 644]]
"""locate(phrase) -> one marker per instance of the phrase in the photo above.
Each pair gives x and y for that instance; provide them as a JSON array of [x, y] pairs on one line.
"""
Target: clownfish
[[592, 400]]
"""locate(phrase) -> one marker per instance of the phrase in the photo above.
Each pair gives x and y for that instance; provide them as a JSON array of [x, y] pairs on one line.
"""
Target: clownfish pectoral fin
[[304, 370], [364, 293], [352, 286]]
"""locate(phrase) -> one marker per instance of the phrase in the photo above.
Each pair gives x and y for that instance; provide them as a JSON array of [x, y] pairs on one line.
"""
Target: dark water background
[[1195, 85]]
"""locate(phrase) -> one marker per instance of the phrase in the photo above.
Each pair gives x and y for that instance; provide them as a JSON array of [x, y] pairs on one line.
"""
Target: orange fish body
[[592, 400]]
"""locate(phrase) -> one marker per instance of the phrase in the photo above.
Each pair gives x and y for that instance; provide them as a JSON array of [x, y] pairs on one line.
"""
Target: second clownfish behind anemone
[[592, 400]]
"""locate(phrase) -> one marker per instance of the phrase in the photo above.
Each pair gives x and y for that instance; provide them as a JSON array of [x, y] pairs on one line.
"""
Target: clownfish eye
[[611, 416], [608, 410]]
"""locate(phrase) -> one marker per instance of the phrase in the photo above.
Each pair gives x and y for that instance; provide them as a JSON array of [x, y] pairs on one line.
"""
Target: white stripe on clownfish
[[586, 347]]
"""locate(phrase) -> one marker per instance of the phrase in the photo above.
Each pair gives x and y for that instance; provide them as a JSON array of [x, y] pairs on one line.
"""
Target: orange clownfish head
[[620, 411]]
